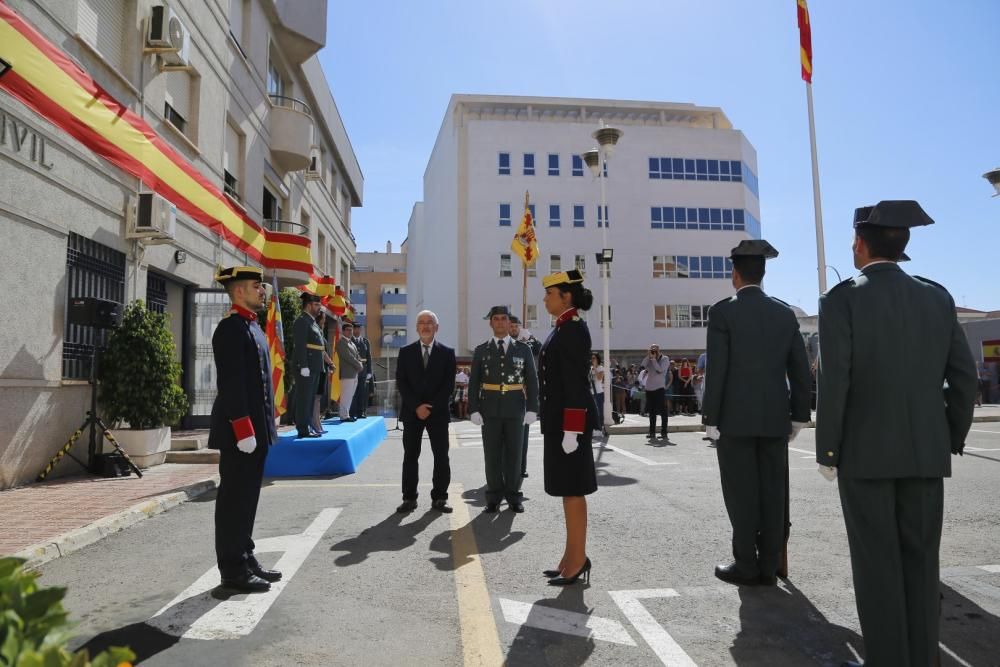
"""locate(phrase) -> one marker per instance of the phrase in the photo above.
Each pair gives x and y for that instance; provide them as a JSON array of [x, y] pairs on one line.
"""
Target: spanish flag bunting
[[525, 244], [805, 41], [319, 285], [49, 82], [276, 345]]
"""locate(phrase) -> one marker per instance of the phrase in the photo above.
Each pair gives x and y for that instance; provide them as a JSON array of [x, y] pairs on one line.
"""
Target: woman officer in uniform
[[568, 416]]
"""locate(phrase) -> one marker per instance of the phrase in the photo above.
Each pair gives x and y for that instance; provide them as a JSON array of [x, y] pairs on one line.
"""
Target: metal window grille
[[156, 293]]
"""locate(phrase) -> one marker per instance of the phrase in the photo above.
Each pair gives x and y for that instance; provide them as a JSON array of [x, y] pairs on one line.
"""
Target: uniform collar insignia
[[566, 316], [248, 315]]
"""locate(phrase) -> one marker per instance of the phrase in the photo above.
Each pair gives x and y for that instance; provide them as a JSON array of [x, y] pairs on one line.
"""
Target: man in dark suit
[[425, 378], [359, 406], [503, 399], [307, 363], [756, 399], [242, 428], [896, 389]]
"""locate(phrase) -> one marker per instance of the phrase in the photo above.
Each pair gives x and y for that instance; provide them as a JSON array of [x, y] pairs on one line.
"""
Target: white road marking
[[954, 656], [667, 650], [195, 614], [979, 430], [801, 451], [994, 569], [566, 622], [641, 459], [981, 449]]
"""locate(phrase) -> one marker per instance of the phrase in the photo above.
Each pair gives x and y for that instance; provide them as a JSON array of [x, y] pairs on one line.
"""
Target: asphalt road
[[365, 586]]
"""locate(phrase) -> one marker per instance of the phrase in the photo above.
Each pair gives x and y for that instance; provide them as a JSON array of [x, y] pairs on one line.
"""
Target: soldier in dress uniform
[[896, 389], [752, 411], [503, 399], [307, 364], [242, 428], [359, 406], [536, 348]]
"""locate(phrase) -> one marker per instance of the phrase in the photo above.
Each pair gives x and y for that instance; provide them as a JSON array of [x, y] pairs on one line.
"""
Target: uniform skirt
[[571, 474]]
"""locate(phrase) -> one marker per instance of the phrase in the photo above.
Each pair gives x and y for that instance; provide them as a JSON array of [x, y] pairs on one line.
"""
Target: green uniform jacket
[[306, 332], [516, 367], [888, 344], [758, 379]]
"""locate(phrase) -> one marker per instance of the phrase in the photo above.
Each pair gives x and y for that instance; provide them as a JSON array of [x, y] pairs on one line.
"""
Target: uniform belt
[[502, 388], [314, 346]]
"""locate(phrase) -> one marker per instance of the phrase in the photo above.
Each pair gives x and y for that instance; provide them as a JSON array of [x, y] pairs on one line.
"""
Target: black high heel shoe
[[551, 573], [566, 581]]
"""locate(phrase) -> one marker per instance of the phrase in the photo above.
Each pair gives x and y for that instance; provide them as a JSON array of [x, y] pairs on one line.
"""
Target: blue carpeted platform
[[340, 450]]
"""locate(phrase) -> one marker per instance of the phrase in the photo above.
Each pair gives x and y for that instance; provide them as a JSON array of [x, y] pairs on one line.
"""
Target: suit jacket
[[350, 362], [364, 347], [564, 376], [418, 385], [243, 381], [517, 366], [305, 333], [896, 378], [758, 382]]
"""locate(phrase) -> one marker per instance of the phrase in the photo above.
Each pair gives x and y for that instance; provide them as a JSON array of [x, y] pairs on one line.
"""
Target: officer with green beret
[[896, 386], [308, 347], [503, 398]]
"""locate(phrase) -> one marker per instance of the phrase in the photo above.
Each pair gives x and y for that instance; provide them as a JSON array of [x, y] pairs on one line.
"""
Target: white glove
[[476, 418], [304, 372], [370, 376], [712, 432], [569, 443], [796, 427], [829, 472], [247, 445], [530, 417]]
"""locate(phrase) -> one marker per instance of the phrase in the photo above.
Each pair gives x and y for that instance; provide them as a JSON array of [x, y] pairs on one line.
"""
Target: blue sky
[[906, 96]]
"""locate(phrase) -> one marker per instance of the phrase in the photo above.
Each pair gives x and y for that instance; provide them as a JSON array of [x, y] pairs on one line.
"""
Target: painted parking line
[[664, 646], [801, 451], [565, 622], [636, 457]]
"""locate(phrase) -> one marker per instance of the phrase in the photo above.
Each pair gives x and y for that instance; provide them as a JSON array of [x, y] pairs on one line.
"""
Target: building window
[[505, 267], [177, 106], [532, 273], [578, 220], [239, 24], [554, 220], [503, 164], [101, 23], [275, 80], [345, 275], [505, 215], [680, 316], [233, 162], [529, 164], [683, 266], [702, 169], [531, 316], [577, 165], [320, 242], [553, 164], [602, 217], [605, 269], [271, 206], [555, 263], [580, 263]]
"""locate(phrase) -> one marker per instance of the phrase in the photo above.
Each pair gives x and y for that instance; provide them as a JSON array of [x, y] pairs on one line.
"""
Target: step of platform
[[193, 456]]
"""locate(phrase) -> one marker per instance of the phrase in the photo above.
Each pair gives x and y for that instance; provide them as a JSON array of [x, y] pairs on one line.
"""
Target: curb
[[74, 540]]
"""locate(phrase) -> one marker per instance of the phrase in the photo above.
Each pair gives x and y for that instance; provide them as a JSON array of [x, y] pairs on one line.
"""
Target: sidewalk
[[43, 521]]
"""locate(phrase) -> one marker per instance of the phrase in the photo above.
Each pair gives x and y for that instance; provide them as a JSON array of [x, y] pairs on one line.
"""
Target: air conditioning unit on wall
[[151, 218], [168, 37]]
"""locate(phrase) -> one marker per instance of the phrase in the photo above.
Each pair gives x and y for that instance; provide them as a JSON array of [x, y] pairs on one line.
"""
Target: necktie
[[500, 346], [427, 354]]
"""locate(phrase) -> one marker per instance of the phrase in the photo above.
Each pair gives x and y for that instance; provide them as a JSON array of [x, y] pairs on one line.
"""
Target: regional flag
[[275, 343], [991, 350], [805, 42], [335, 373], [525, 244]]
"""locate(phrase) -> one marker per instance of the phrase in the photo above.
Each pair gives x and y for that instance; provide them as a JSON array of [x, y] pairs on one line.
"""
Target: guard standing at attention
[[242, 428], [896, 385], [307, 363], [536, 347], [757, 398], [503, 399]]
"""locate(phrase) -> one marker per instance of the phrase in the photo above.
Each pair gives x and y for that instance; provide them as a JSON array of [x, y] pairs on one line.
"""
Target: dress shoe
[[348, 419], [407, 506], [441, 506], [310, 435], [269, 576], [566, 581], [730, 575], [517, 507], [651, 436], [247, 583], [491, 508]]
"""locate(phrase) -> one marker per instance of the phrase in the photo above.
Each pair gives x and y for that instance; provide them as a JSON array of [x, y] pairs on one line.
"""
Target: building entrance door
[[206, 307]]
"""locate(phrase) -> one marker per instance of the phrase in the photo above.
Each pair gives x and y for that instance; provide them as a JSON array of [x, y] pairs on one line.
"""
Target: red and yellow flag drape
[[805, 41], [525, 243], [276, 345], [46, 80]]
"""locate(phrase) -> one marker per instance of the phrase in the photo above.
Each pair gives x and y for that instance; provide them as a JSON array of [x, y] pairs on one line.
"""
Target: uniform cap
[[562, 278], [514, 319], [898, 213], [310, 298], [231, 273], [497, 310], [754, 248], [903, 257]]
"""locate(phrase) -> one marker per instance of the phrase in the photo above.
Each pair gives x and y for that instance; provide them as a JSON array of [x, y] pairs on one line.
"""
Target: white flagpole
[[820, 247]]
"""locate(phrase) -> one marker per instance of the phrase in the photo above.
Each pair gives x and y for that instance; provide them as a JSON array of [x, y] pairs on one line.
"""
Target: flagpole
[[820, 244], [524, 268]]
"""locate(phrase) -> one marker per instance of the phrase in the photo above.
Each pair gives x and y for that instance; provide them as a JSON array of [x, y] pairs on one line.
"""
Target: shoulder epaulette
[[846, 281], [783, 303], [931, 282], [722, 301]]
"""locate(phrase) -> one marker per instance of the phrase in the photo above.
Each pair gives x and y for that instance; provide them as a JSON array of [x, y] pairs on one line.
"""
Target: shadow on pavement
[[145, 640], [967, 629], [390, 534], [533, 646], [606, 478], [493, 535], [774, 619]]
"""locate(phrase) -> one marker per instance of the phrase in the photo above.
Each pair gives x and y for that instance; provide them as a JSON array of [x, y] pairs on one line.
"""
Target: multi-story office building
[[681, 192], [378, 294], [233, 87]]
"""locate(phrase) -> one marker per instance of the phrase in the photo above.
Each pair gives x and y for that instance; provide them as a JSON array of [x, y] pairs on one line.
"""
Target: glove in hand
[[476, 418], [829, 472], [530, 418], [247, 445], [304, 372], [569, 442]]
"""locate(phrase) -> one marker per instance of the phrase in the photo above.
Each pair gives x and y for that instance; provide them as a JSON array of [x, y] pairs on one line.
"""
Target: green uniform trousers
[[502, 442], [894, 530]]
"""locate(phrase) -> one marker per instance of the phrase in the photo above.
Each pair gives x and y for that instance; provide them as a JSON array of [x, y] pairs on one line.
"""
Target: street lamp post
[[597, 160], [832, 268], [386, 340]]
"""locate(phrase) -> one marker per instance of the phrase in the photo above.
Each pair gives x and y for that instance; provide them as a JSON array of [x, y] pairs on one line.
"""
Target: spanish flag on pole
[[805, 42], [275, 343], [525, 244]]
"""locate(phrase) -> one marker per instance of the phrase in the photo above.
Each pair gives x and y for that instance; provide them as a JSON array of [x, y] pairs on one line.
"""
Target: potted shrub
[[139, 385]]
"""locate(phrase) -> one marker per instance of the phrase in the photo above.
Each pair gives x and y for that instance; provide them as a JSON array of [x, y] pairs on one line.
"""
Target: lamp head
[[607, 137], [593, 160], [993, 176]]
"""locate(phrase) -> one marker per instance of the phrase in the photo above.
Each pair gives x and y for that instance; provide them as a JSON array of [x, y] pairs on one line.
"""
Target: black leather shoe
[[247, 583], [650, 436], [491, 508], [730, 575], [516, 507], [441, 506], [269, 576], [407, 506]]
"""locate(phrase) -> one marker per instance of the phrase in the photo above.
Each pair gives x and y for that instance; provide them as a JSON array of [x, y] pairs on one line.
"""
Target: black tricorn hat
[[497, 310], [309, 298], [514, 319], [230, 273], [898, 213], [754, 248]]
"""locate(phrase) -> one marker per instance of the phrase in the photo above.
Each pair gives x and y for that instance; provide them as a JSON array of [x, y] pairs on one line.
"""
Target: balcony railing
[[394, 320], [397, 342], [291, 133], [286, 227], [392, 299]]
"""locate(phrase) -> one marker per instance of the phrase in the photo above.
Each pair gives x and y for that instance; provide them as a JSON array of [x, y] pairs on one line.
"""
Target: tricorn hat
[[232, 273], [562, 278], [754, 248], [898, 213], [310, 298], [514, 319]]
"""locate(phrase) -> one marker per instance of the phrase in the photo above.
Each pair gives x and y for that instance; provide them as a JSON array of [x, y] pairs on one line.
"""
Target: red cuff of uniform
[[574, 419], [242, 428]]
